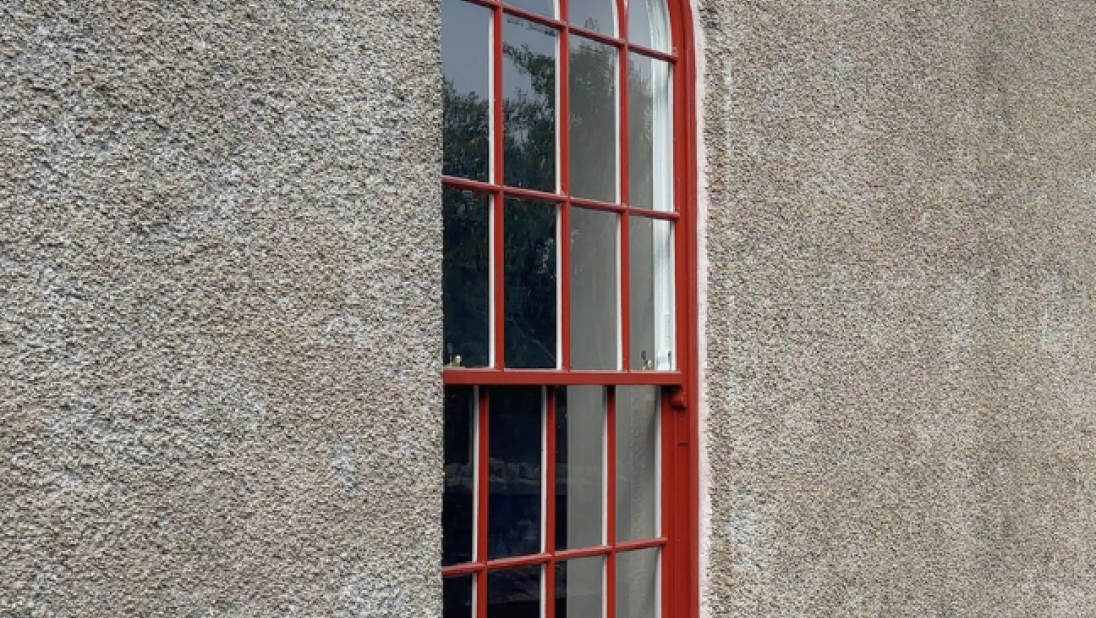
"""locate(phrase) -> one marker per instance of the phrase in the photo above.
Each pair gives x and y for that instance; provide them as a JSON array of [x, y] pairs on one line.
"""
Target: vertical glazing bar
[[610, 502], [622, 132], [482, 485], [669, 494], [497, 156], [549, 485], [564, 156]]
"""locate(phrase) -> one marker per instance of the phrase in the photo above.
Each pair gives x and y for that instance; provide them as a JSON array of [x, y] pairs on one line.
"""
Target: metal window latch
[[648, 364], [455, 360]]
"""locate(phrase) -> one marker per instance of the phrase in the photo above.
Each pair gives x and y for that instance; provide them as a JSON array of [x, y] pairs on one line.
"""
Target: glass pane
[[651, 293], [596, 15], [544, 7], [466, 278], [514, 593], [580, 455], [530, 279], [593, 120], [650, 134], [637, 414], [529, 104], [637, 584], [649, 24], [457, 596], [595, 289], [466, 91], [514, 442], [457, 499], [579, 588]]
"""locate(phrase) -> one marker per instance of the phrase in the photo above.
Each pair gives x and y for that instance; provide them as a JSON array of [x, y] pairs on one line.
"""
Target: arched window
[[569, 302]]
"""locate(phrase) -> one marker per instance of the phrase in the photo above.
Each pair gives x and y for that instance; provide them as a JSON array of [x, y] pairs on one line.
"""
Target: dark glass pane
[[530, 279], [595, 288], [514, 442], [529, 104], [579, 589], [544, 7], [593, 15], [466, 89], [649, 24], [651, 293], [650, 134], [637, 414], [457, 596], [514, 593], [580, 469], [593, 120], [466, 278], [637, 584], [457, 499]]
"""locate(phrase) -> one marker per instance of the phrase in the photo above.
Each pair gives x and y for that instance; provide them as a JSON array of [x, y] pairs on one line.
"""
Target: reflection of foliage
[[529, 146], [529, 122], [464, 121], [465, 278]]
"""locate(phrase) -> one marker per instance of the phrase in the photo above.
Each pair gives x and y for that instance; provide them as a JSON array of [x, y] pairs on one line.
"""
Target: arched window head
[[567, 281]]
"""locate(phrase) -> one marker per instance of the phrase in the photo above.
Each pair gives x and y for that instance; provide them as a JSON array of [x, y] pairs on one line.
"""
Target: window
[[570, 485]]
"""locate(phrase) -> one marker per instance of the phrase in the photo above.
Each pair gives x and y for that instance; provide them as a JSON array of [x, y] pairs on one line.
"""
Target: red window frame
[[679, 540]]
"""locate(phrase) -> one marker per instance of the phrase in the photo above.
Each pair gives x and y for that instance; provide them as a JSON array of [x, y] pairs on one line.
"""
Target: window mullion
[[610, 502]]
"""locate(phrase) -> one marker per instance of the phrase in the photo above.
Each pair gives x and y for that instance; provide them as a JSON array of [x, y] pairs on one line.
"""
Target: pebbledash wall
[[220, 308]]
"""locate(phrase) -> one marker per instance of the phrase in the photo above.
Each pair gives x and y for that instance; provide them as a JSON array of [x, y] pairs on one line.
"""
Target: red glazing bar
[[564, 156], [486, 187], [610, 501], [653, 53], [669, 489], [483, 486], [625, 309], [543, 558], [539, 377], [498, 210], [549, 489], [487, 3]]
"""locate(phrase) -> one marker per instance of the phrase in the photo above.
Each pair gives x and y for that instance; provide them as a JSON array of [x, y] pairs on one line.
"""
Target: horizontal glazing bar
[[557, 377], [567, 554], [486, 187]]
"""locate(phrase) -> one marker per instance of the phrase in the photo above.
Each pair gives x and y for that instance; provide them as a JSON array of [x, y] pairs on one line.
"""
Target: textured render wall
[[902, 323], [219, 308]]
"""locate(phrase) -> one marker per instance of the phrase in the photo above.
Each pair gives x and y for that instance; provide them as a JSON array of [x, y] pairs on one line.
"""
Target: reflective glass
[[544, 7], [466, 92], [598, 15], [637, 584], [514, 593], [637, 414], [593, 79], [579, 588], [457, 498], [650, 134], [530, 280], [580, 467], [457, 596], [595, 289], [651, 293], [529, 104], [514, 443], [649, 24], [466, 278]]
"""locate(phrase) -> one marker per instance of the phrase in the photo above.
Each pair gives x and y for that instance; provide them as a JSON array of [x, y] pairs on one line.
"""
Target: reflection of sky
[[465, 44], [538, 39]]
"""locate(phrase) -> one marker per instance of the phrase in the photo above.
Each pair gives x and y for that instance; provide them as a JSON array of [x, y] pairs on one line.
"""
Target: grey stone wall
[[220, 308], [901, 325]]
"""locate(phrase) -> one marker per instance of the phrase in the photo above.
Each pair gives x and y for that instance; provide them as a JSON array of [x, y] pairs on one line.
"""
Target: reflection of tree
[[529, 147]]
